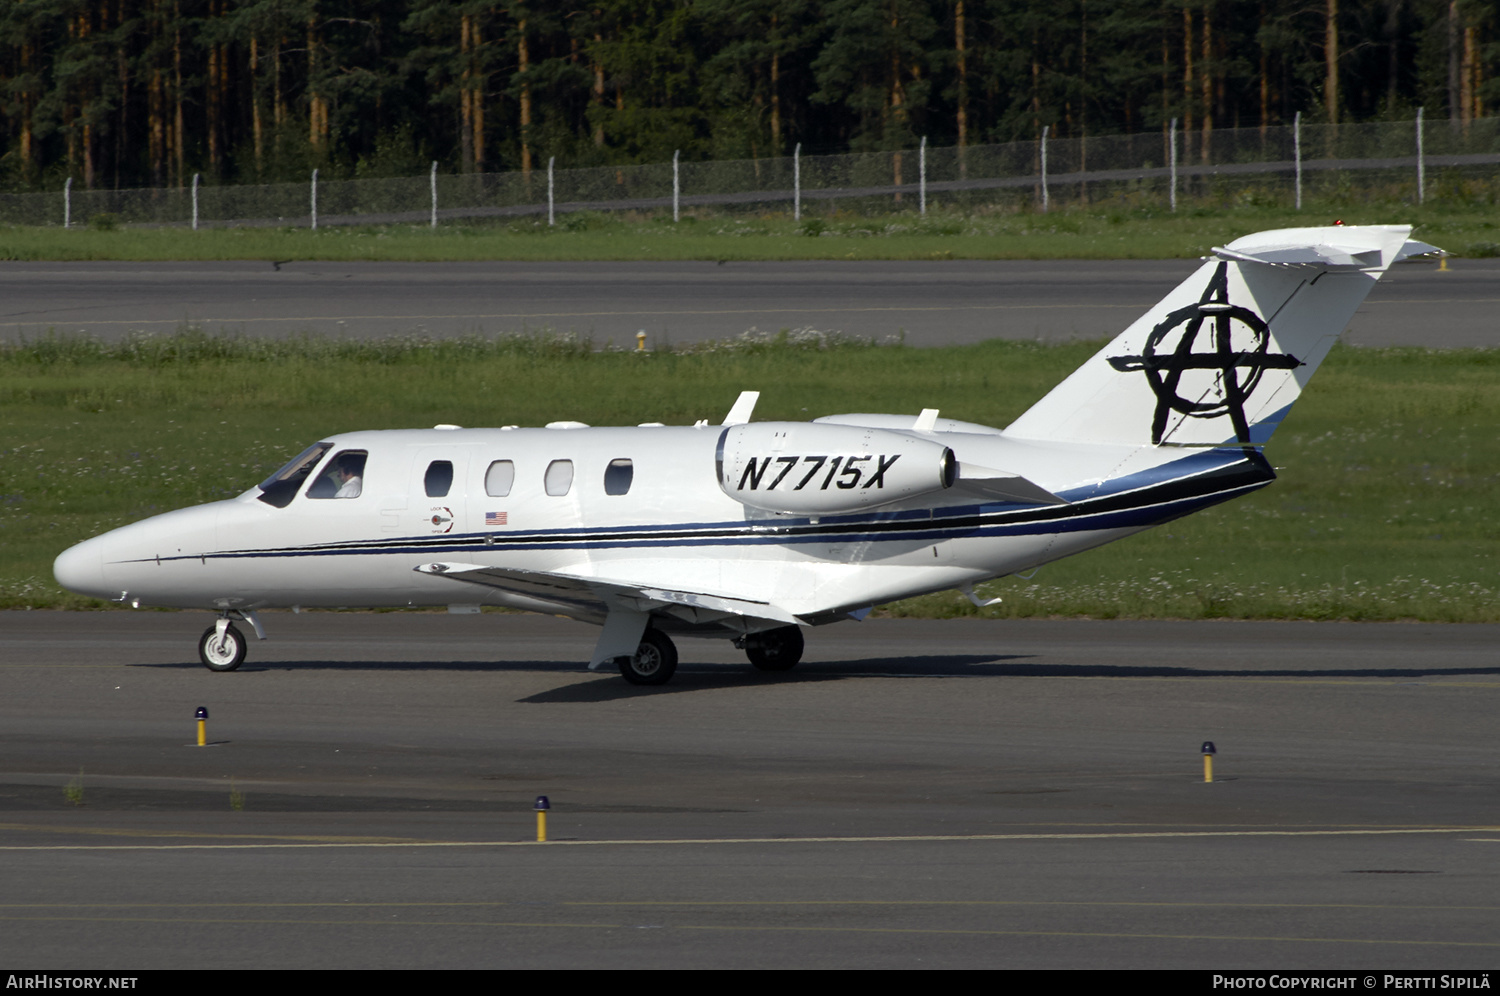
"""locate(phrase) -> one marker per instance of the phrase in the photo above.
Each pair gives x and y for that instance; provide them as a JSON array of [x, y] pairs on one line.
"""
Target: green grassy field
[[1386, 508], [1076, 233]]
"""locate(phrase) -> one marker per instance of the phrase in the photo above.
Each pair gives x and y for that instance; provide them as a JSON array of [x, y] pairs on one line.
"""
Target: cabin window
[[617, 477], [559, 479], [281, 487], [439, 478], [344, 476], [499, 478]]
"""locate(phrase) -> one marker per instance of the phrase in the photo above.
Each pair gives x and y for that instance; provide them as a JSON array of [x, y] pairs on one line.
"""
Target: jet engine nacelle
[[819, 469]]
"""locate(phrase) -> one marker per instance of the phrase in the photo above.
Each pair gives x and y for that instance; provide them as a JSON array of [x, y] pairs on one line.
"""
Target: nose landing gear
[[222, 646]]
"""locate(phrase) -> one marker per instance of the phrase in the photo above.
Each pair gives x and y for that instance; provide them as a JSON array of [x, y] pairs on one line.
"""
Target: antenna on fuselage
[[744, 407]]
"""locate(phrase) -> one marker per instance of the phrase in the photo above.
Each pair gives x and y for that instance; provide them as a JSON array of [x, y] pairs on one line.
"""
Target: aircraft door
[[440, 491]]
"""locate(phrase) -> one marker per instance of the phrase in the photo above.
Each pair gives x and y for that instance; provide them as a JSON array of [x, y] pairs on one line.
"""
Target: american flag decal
[[494, 518]]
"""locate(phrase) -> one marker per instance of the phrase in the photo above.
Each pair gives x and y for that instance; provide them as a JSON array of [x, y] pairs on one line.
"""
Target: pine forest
[[146, 93]]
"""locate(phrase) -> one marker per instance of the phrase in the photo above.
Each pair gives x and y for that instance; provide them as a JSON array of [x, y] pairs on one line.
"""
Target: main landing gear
[[654, 662], [775, 649]]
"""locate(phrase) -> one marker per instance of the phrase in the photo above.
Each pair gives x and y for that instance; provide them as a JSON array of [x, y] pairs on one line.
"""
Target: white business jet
[[752, 531]]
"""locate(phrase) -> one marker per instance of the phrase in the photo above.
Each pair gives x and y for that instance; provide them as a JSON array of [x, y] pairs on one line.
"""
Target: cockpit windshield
[[281, 487]]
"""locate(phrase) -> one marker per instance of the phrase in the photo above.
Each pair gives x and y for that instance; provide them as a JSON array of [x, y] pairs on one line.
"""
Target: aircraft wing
[[602, 594]]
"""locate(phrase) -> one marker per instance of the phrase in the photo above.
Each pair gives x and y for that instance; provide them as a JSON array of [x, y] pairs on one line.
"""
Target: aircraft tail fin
[[1220, 359]]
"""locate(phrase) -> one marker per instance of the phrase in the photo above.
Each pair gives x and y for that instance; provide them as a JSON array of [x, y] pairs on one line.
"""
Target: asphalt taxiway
[[929, 303], [916, 793]]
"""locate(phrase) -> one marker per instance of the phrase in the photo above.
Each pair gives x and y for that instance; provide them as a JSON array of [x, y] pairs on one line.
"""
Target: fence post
[[797, 183], [315, 200], [433, 177], [1297, 153], [922, 176], [550, 161], [1172, 154], [676, 187], [1045, 129], [195, 202], [68, 203], [1421, 163]]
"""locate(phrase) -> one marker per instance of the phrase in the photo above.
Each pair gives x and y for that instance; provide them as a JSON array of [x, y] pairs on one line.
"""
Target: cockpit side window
[[280, 488], [344, 476]]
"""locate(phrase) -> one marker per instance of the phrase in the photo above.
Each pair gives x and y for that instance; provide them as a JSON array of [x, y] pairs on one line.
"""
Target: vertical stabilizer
[[1221, 358]]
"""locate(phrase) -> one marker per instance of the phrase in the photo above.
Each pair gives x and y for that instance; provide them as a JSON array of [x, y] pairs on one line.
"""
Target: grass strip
[[1109, 231], [1386, 508]]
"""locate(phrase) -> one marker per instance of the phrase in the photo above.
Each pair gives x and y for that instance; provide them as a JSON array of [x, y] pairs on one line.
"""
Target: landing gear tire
[[654, 662], [222, 655], [775, 649]]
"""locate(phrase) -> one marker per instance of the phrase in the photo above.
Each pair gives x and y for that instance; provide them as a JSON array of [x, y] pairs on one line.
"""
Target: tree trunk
[[599, 97], [178, 129], [1265, 82], [317, 102], [1468, 92], [1083, 100], [776, 145], [278, 105], [465, 99], [1331, 59], [157, 128], [257, 127], [27, 102], [1187, 76], [122, 121], [897, 113], [523, 55], [476, 99], [1206, 83], [1453, 101], [962, 56]]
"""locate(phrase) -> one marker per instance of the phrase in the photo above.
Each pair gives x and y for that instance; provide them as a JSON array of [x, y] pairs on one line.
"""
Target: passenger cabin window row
[[500, 478], [343, 477]]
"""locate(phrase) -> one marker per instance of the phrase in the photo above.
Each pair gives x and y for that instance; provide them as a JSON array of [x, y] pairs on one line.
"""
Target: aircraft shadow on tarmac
[[708, 677], [690, 679]]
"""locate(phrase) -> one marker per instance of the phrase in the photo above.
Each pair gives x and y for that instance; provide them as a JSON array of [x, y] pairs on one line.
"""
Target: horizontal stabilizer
[[1323, 257], [1420, 252]]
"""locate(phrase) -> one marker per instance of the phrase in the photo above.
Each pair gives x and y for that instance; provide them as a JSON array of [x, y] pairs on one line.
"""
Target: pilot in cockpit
[[347, 470], [342, 479]]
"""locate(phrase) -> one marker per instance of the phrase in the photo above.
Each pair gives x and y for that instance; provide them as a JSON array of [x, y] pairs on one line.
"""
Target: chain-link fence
[[1353, 163]]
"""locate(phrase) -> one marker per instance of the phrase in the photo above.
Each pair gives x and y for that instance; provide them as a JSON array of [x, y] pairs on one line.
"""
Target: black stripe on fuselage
[[1149, 504]]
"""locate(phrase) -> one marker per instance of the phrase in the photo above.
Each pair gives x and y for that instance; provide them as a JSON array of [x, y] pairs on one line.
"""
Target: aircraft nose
[[80, 569]]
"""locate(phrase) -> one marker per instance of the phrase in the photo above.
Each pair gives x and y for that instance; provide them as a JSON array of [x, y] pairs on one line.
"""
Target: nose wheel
[[222, 647]]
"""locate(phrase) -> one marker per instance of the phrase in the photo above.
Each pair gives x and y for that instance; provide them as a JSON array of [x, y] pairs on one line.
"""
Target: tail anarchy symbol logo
[[1238, 369]]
